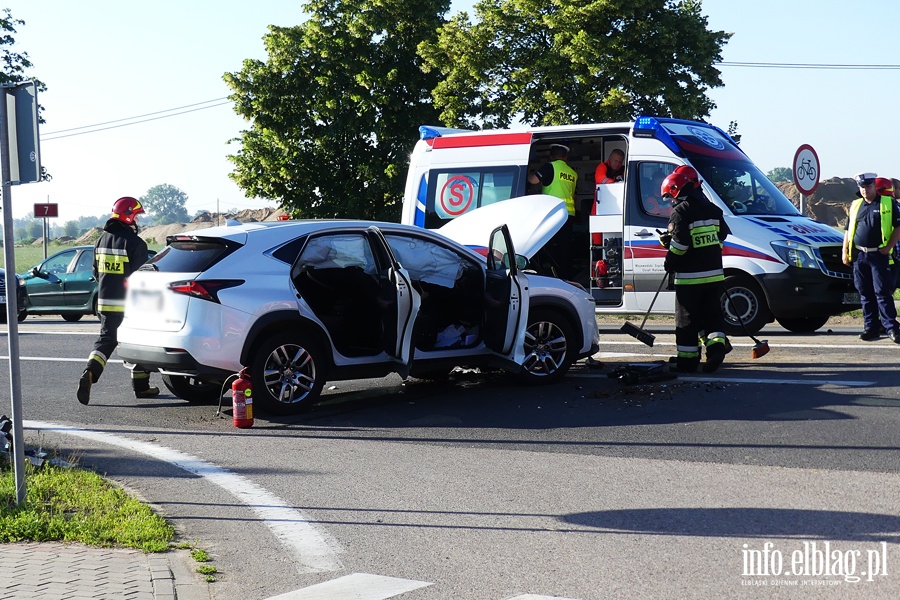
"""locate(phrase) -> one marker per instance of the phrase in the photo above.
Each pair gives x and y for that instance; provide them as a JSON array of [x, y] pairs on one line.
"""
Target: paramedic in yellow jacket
[[873, 229], [558, 179]]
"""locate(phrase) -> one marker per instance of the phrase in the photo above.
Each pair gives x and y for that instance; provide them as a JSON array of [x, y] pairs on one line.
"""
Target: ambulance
[[779, 265]]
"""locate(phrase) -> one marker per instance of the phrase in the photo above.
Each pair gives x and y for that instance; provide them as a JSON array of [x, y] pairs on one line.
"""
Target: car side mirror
[[36, 272]]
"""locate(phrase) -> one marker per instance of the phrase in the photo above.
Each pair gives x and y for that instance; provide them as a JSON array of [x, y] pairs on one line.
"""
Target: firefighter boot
[[683, 364], [717, 346], [140, 383], [84, 387]]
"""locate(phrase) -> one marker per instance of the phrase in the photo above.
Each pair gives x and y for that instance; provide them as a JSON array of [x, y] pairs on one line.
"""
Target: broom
[[638, 333]]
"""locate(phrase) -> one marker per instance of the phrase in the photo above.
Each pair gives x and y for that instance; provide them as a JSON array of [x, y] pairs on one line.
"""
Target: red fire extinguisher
[[242, 400]]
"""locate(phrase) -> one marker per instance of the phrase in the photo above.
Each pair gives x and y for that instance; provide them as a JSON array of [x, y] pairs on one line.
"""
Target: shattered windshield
[[743, 187]]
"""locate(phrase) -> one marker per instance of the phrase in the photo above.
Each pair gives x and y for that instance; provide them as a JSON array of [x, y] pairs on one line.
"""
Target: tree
[[70, 228], [36, 229], [546, 62], [780, 174], [335, 109], [166, 204]]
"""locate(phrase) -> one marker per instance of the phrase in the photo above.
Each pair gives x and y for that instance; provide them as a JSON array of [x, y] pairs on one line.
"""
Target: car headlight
[[795, 254]]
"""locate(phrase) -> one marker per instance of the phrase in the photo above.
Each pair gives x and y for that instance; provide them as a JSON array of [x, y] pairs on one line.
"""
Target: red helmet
[[689, 172], [126, 209], [884, 186], [674, 184]]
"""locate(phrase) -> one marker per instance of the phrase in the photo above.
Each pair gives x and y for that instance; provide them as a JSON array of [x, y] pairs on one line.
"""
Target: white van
[[779, 265]]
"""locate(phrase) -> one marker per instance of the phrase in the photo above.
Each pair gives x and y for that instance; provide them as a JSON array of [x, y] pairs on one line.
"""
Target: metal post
[[12, 309], [46, 230], [801, 202]]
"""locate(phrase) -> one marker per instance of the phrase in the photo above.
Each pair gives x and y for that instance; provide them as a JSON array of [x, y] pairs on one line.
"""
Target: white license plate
[[151, 301], [851, 298]]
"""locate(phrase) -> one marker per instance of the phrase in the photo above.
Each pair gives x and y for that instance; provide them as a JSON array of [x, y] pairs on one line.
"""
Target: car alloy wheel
[[287, 374], [547, 347]]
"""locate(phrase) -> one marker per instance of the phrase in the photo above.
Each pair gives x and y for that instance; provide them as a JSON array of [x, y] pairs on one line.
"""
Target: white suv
[[304, 302]]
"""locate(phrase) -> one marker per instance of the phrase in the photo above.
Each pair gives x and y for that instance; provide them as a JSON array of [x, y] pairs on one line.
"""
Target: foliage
[[166, 204], [780, 174], [74, 505], [334, 110], [36, 229], [546, 62], [70, 228], [733, 131]]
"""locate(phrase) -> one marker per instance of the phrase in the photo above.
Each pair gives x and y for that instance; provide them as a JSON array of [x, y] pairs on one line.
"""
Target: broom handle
[[652, 302]]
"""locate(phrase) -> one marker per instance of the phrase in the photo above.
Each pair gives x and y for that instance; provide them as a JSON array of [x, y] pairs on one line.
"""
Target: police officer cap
[[559, 148], [865, 178]]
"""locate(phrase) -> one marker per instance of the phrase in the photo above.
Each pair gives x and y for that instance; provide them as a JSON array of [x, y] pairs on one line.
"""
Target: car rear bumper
[[168, 360]]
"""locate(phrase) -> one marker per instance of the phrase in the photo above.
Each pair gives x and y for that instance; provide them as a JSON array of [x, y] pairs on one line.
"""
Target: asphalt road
[[477, 487]]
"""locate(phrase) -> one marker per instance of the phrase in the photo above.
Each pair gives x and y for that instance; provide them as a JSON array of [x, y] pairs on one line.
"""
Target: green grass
[[75, 505]]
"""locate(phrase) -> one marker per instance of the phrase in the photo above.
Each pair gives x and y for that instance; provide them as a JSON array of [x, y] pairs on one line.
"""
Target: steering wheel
[[738, 206]]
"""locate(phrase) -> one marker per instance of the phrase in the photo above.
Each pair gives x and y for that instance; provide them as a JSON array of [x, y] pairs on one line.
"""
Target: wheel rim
[[289, 373], [545, 348], [743, 304]]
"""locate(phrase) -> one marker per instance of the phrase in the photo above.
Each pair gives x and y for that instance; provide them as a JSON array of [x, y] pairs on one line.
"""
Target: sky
[[107, 61]]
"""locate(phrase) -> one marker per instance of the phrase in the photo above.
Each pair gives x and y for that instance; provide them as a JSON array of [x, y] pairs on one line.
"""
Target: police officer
[[694, 258], [873, 229], [558, 179], [117, 254]]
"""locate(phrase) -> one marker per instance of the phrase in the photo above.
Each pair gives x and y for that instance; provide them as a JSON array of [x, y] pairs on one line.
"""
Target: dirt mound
[[830, 204]]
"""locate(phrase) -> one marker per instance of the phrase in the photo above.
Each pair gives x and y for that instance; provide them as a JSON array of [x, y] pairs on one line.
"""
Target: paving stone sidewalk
[[57, 571]]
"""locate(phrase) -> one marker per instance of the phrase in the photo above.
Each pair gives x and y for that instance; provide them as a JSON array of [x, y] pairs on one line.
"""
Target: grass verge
[[75, 505]]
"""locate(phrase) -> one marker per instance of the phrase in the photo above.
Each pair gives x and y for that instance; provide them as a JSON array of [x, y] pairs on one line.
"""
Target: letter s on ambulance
[[779, 265]]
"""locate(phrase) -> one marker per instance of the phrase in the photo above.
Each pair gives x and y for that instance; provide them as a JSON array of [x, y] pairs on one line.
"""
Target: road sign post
[[806, 171]]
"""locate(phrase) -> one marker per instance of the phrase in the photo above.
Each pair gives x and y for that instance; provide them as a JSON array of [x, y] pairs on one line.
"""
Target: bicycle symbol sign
[[806, 169]]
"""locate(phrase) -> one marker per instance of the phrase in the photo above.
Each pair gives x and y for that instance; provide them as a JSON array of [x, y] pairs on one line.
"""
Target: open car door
[[506, 299]]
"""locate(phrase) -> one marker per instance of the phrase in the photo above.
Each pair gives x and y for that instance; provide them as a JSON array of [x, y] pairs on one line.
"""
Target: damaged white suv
[[305, 302]]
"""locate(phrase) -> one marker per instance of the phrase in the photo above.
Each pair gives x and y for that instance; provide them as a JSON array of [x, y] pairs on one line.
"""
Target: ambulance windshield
[[742, 187]]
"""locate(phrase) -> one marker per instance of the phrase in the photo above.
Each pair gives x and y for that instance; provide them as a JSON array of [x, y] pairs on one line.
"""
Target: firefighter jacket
[[695, 252], [117, 254]]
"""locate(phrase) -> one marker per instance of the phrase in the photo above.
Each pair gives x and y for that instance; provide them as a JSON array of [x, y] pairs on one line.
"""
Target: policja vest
[[887, 223], [563, 186]]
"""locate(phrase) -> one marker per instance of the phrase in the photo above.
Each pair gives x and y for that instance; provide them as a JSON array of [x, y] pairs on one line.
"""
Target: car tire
[[749, 303], [287, 373], [802, 324], [71, 317], [549, 347], [193, 390]]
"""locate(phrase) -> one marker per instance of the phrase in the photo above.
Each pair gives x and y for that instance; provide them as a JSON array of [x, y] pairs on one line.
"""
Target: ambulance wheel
[[747, 302], [287, 373], [802, 324], [549, 347], [191, 389]]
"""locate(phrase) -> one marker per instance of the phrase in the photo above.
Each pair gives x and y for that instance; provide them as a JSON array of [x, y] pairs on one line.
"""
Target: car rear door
[[506, 299]]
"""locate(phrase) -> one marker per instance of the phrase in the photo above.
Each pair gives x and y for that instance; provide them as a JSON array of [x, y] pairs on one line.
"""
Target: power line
[[827, 66], [131, 119]]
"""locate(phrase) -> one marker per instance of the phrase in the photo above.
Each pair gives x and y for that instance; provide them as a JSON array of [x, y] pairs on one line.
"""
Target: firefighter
[[873, 229], [694, 260], [118, 253]]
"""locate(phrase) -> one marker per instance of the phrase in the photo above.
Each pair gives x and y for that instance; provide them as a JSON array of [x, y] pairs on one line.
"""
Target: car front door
[[506, 299], [80, 285], [44, 284]]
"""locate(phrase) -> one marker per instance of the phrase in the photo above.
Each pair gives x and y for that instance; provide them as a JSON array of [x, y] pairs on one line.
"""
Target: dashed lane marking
[[312, 547], [356, 586]]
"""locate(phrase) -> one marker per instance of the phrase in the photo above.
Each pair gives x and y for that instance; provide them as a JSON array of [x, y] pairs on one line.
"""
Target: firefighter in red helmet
[[694, 260], [117, 254]]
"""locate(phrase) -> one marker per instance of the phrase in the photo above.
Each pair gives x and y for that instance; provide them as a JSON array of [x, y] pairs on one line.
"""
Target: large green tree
[[552, 62], [166, 204], [335, 109]]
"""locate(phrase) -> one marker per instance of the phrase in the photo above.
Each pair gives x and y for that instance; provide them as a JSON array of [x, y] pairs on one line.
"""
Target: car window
[[339, 252], [425, 260], [650, 181], [58, 263], [188, 256], [85, 262]]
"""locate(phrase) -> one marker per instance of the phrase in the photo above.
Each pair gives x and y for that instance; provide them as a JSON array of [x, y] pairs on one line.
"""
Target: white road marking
[[727, 379], [356, 586], [58, 359], [536, 597], [892, 346], [313, 549]]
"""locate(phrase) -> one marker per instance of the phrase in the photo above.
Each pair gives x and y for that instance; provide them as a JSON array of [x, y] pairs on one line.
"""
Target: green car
[[64, 284]]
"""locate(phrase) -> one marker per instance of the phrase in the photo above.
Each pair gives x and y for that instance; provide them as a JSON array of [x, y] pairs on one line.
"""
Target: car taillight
[[205, 290]]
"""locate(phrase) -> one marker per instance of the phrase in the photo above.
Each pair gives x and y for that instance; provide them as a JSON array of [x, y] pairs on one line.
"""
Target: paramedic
[[558, 179], [873, 229], [117, 254], [694, 258], [612, 169]]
